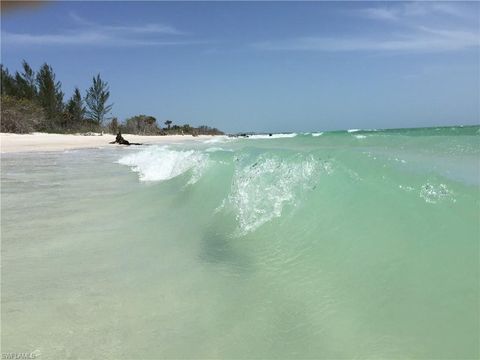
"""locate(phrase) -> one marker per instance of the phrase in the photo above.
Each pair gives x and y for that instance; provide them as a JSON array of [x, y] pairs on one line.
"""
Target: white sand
[[58, 142]]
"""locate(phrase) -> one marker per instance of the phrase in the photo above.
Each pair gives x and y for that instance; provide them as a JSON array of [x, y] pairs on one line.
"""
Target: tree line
[[34, 101]]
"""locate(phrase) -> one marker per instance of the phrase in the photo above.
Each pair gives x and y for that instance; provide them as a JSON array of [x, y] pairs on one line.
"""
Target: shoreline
[[39, 142]]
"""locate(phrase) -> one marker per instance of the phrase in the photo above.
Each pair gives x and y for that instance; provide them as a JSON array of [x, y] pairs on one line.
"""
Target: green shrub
[[142, 125], [21, 116]]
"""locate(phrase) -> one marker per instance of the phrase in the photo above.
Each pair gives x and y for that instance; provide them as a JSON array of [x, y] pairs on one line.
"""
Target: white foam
[[218, 139], [262, 189], [360, 136], [215, 149], [159, 163], [432, 193], [317, 134], [406, 187], [273, 136], [353, 130]]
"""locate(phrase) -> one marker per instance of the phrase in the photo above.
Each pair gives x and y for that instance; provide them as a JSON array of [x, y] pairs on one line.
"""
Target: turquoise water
[[360, 244]]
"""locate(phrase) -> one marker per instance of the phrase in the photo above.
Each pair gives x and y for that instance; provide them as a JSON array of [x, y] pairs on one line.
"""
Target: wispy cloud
[[80, 38], [411, 10], [439, 8], [150, 28], [145, 29], [90, 33], [404, 30], [380, 13], [424, 40], [86, 38]]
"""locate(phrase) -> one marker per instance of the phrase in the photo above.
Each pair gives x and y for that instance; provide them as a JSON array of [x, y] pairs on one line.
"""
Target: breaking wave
[[262, 188], [256, 183], [218, 139], [161, 163]]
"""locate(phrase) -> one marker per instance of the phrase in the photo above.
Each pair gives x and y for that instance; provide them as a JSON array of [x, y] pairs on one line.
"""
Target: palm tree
[[168, 123]]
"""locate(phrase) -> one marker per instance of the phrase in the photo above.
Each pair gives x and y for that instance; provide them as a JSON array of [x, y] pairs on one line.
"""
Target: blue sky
[[263, 66]]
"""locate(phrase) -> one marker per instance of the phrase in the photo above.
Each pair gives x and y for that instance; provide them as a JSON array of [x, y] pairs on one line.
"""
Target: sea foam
[[260, 190], [433, 193], [218, 139], [161, 163]]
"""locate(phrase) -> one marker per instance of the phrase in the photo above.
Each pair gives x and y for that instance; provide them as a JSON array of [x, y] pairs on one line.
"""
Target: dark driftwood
[[120, 140]]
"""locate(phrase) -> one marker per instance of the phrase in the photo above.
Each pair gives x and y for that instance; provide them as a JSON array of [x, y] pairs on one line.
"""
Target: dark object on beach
[[269, 134], [120, 140]]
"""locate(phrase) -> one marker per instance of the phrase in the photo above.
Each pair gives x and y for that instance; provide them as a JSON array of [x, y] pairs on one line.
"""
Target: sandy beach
[[58, 142]]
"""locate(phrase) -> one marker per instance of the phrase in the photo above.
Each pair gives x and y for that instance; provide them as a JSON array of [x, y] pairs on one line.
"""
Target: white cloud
[[381, 13], [85, 38], [89, 33], [145, 29], [438, 8], [150, 28], [422, 40], [54, 39], [403, 29], [408, 10]]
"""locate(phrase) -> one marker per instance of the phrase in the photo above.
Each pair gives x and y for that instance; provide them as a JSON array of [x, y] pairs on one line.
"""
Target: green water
[[357, 245]]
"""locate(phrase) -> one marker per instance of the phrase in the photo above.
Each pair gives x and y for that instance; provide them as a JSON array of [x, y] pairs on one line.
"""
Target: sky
[[262, 66]]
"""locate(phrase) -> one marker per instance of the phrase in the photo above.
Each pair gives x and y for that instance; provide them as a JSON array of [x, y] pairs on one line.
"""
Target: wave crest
[[161, 163], [261, 190]]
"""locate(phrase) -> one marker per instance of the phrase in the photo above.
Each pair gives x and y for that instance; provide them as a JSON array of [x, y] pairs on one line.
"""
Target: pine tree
[[8, 86], [50, 95], [96, 100], [75, 107], [25, 82]]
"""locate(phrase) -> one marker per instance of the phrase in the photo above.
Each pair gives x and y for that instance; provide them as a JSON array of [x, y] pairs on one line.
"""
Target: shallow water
[[360, 244]]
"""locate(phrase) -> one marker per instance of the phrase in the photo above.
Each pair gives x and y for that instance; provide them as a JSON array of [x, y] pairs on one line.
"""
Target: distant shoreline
[[39, 142]]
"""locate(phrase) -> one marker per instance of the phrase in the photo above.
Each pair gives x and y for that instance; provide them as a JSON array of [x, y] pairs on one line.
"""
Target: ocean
[[358, 244]]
